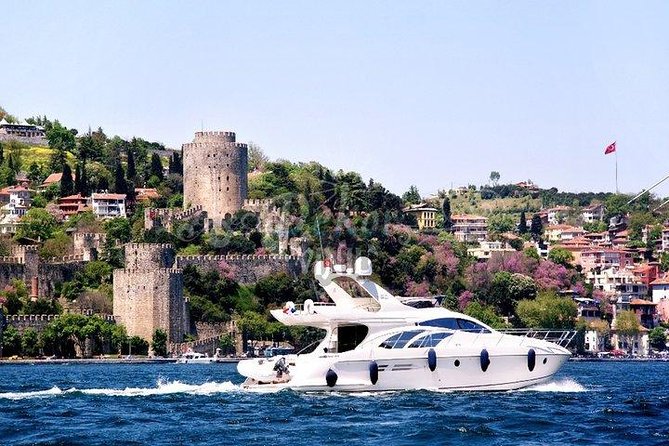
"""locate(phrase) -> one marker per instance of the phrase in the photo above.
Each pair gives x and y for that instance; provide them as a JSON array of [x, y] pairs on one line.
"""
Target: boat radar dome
[[363, 266]]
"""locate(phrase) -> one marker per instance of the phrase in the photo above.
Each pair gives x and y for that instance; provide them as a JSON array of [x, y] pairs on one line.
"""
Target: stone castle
[[215, 174], [148, 293]]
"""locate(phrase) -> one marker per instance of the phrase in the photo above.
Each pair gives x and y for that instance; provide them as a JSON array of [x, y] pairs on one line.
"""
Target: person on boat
[[281, 368]]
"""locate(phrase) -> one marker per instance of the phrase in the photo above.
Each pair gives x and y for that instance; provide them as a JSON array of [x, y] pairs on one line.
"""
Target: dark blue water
[[588, 403]]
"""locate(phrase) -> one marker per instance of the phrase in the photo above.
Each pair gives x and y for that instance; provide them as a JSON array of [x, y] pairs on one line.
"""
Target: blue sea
[[621, 403]]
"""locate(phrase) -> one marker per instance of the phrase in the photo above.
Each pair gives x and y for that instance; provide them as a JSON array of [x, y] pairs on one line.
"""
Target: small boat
[[375, 342], [193, 357]]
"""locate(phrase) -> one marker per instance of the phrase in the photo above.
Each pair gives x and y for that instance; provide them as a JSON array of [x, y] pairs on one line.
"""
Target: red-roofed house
[[72, 205], [605, 258], [146, 194], [54, 178]]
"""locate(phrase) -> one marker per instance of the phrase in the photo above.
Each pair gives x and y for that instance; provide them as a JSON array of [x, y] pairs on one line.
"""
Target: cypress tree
[[132, 169], [446, 210], [156, 166], [77, 179], [2, 153], [120, 184], [522, 226], [66, 182], [536, 227]]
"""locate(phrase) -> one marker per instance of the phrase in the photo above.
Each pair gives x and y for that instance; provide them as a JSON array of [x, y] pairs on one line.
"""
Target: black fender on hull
[[485, 359], [432, 359], [331, 378], [531, 359], [373, 372]]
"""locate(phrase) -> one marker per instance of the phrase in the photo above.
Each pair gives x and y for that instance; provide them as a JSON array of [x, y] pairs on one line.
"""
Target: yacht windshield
[[399, 340], [430, 340], [456, 324]]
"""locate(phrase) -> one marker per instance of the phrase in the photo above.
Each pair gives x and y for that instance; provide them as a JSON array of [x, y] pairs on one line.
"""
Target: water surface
[[181, 404]]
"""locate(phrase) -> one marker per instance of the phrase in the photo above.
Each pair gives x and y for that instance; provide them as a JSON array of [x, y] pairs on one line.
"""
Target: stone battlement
[[215, 133], [9, 259], [182, 215], [236, 257], [149, 246], [31, 317], [65, 259], [150, 270]]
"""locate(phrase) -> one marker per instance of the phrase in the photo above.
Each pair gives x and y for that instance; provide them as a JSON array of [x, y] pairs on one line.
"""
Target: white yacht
[[374, 342], [193, 357]]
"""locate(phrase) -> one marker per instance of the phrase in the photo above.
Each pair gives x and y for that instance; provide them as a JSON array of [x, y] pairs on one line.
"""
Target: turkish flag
[[610, 149]]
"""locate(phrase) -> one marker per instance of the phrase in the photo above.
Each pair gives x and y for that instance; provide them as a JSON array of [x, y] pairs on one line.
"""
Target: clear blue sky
[[426, 93]]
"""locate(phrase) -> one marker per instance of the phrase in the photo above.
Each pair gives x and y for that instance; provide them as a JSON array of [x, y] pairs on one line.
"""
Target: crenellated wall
[[246, 268]]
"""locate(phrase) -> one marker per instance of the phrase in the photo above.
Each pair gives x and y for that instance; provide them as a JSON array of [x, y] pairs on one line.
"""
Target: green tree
[[11, 341], [494, 177], [658, 338], [522, 226], [30, 343], [132, 169], [561, 256], [58, 245], [275, 289], [548, 310], [159, 342], [61, 140], [156, 167], [627, 326], [485, 314], [38, 224], [412, 196], [257, 158], [227, 344], [536, 227], [66, 181], [446, 211], [120, 183]]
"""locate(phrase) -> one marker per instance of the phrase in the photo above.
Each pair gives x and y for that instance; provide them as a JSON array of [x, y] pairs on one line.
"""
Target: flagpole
[[616, 152]]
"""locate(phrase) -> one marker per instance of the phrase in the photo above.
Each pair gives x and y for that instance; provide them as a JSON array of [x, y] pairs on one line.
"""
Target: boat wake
[[561, 386], [162, 388]]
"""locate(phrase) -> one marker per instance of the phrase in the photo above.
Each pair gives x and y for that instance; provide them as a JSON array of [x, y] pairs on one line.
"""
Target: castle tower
[[148, 293], [215, 174]]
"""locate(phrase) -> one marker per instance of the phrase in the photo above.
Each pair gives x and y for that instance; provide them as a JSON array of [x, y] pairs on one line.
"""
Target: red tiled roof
[[641, 302], [108, 196]]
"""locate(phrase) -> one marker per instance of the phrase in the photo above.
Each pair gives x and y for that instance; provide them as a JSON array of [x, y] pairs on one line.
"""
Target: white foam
[[36, 394], [162, 388], [561, 386]]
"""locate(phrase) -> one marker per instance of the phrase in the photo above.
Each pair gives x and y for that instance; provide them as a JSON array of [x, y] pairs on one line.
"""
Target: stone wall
[[32, 140], [26, 264], [39, 321], [148, 293], [246, 268]]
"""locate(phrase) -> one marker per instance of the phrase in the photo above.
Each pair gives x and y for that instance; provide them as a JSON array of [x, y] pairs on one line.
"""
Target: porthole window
[[456, 363]]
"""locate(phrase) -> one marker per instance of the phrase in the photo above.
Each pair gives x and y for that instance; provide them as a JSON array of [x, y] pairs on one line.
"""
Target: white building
[[665, 239], [108, 205], [469, 228], [18, 205], [593, 213], [485, 249]]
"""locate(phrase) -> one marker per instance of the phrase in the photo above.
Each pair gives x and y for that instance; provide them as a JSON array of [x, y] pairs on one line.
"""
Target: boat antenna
[[320, 237], [649, 189]]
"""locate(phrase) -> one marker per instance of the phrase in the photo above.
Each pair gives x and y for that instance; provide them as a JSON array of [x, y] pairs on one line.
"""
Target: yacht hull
[[452, 373]]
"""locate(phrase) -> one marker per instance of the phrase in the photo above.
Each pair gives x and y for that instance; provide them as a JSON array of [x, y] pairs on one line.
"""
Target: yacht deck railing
[[560, 337]]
